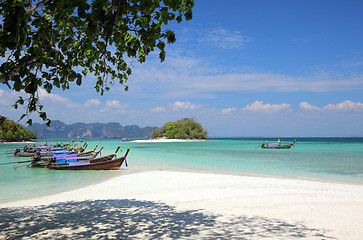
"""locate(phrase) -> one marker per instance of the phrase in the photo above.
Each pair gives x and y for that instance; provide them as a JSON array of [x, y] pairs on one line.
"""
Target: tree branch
[[30, 3], [32, 9], [112, 25], [7, 76]]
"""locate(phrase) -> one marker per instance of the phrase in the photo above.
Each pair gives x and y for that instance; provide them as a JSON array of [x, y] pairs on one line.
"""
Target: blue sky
[[240, 68]]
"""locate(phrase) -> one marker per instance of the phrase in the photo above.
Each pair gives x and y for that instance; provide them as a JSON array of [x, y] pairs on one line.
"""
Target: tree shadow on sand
[[131, 219]]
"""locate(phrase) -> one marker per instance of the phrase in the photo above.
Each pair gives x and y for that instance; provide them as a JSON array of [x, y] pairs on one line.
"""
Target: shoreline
[[332, 210], [27, 142], [167, 140], [138, 170], [176, 171]]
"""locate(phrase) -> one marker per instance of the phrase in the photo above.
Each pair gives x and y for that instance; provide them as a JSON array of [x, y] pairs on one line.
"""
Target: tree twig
[[32, 9]]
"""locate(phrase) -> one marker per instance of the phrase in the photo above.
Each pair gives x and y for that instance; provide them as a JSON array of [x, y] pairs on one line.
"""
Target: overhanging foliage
[[51, 43]]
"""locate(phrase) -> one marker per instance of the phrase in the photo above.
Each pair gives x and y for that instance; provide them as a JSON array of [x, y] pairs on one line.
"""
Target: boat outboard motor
[[16, 151], [53, 160], [36, 158]]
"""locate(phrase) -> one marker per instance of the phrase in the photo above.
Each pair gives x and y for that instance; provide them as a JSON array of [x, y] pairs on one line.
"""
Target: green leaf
[[43, 115], [20, 100], [162, 55], [15, 105], [22, 116], [161, 45], [29, 122], [79, 81], [170, 35]]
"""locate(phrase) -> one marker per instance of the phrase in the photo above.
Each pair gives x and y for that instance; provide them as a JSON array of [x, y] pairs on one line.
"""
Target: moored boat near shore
[[109, 162], [32, 151], [38, 162], [43, 160], [277, 145], [59, 158]]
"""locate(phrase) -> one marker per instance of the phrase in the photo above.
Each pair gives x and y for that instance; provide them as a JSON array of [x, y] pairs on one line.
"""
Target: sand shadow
[[131, 219]]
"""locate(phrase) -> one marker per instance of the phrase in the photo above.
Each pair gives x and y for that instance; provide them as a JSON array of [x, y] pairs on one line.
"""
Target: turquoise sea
[[322, 159]]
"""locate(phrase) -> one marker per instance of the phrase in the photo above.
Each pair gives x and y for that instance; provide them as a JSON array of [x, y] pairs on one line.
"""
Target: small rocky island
[[185, 128], [12, 132]]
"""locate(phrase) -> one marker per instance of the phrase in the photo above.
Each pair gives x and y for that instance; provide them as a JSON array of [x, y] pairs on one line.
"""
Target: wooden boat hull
[[286, 146], [279, 147], [25, 154], [38, 165], [48, 158], [47, 162], [104, 163], [34, 153]]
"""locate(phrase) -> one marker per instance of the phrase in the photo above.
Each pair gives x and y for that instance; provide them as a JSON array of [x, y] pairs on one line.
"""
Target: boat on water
[[42, 162], [44, 159], [44, 150], [277, 145], [57, 159], [109, 162], [26, 153]]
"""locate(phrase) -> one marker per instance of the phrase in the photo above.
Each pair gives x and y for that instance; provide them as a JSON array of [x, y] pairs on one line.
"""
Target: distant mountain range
[[60, 130]]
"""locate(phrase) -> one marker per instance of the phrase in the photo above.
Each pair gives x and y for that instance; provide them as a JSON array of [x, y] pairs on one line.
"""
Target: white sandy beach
[[167, 140], [241, 207]]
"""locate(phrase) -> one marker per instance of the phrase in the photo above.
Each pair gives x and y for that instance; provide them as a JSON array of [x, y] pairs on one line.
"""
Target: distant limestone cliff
[[112, 130]]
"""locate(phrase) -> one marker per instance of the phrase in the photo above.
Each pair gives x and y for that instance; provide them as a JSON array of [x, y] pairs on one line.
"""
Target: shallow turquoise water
[[332, 159]]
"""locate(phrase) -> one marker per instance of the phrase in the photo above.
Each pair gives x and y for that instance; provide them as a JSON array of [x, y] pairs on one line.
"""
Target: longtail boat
[[277, 145], [43, 149], [110, 162], [43, 161], [29, 153], [33, 152], [64, 156]]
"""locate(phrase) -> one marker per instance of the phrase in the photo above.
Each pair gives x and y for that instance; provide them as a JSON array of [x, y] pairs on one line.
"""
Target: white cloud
[[306, 106], [3, 99], [352, 63], [113, 104], [343, 106], [228, 110], [92, 102], [222, 38], [193, 77], [258, 106], [114, 107], [346, 105], [270, 82], [45, 96], [73, 105], [157, 109], [184, 105]]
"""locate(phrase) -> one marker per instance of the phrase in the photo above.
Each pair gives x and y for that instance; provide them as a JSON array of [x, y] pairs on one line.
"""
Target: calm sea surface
[[327, 159]]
